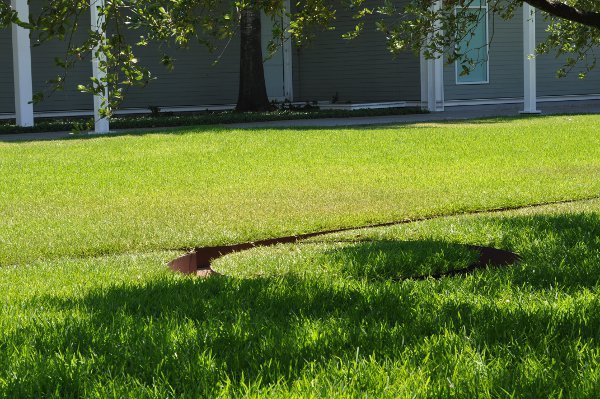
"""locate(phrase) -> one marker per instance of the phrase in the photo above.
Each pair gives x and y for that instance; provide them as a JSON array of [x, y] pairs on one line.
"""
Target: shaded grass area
[[356, 257], [328, 326], [209, 186], [202, 118]]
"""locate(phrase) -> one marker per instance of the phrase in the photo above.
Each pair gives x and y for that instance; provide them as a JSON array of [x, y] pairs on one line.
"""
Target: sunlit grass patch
[[210, 186]]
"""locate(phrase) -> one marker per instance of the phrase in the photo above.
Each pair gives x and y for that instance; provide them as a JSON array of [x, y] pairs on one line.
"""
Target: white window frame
[[487, 47]]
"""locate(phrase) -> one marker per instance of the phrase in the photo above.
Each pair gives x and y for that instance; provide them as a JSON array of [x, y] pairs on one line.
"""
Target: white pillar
[[529, 61], [424, 82], [288, 85], [432, 75], [21, 46], [435, 69], [101, 124]]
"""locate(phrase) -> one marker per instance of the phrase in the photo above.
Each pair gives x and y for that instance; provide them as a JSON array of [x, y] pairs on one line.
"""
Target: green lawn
[[208, 186], [88, 308]]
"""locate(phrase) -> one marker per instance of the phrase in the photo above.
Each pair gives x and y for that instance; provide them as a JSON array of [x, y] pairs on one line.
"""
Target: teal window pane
[[475, 48]]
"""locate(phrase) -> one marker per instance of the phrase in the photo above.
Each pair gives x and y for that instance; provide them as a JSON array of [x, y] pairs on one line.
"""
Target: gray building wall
[[506, 67], [295, 72], [505, 64], [7, 96], [548, 64], [44, 68], [195, 80], [357, 70]]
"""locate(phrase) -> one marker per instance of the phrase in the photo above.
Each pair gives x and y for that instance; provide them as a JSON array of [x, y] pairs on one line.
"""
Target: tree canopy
[[424, 26], [167, 24], [573, 27]]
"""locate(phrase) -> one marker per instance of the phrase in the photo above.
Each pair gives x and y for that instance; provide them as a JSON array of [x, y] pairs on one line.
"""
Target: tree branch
[[562, 10]]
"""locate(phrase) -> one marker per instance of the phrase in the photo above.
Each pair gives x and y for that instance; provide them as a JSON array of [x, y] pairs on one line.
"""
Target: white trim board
[[569, 97], [517, 100], [126, 111], [379, 105], [214, 107]]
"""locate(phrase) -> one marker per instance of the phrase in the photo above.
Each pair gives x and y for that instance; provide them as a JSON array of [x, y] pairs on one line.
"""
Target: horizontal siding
[[195, 80], [547, 66], [357, 70], [506, 68], [295, 72], [44, 68], [505, 63], [7, 96], [199, 77]]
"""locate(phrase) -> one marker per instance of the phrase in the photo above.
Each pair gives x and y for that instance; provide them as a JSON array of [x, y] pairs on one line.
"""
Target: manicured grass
[[122, 326], [89, 197], [88, 308]]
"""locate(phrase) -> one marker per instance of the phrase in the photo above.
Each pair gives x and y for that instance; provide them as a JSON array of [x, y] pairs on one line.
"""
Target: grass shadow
[[354, 259], [558, 251], [197, 333]]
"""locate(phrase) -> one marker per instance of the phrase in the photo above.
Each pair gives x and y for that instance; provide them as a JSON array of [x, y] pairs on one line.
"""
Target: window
[[474, 46]]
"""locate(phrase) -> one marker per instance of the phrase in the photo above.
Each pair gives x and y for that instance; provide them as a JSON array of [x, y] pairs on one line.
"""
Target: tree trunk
[[252, 91]]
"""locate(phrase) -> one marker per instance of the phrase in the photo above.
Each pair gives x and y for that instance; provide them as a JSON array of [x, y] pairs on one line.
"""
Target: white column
[[529, 61], [101, 124], [288, 85], [436, 73], [424, 82], [21, 46], [432, 75]]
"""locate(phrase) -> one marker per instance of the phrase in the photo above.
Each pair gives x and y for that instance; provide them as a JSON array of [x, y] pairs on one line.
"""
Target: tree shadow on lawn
[[392, 260], [559, 251], [195, 333], [356, 258]]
